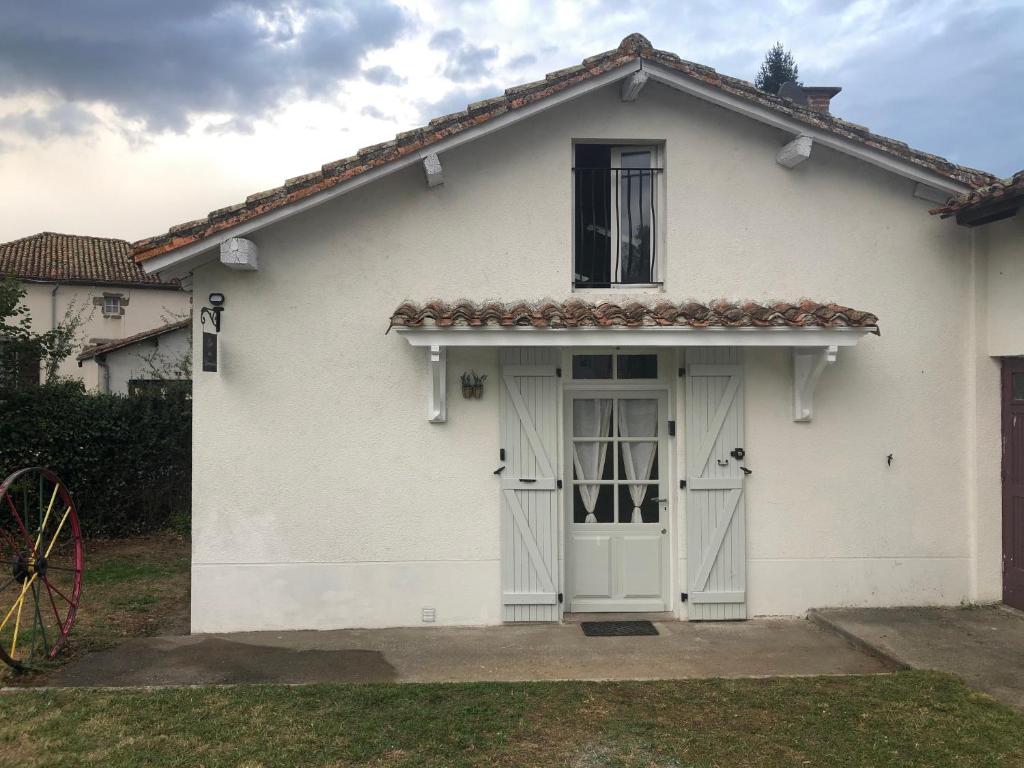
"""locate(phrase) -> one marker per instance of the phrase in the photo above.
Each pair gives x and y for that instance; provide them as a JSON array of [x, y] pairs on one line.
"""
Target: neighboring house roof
[[111, 346], [418, 142], [581, 314], [54, 257], [998, 200]]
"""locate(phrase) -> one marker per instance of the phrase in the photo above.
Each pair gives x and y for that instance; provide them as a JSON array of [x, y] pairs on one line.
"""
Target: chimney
[[816, 97]]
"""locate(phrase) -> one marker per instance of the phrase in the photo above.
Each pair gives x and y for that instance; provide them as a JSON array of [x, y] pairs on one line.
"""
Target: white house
[[653, 265], [144, 361], [95, 280]]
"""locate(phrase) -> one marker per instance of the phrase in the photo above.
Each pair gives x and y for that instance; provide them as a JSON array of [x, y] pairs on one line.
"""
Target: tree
[[777, 68], [22, 351]]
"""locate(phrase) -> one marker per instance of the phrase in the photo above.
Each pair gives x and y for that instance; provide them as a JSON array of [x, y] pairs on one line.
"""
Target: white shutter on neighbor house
[[716, 550], [529, 508]]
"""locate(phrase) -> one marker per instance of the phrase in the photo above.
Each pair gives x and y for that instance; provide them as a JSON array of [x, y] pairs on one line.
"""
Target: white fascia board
[[527, 336], [205, 250], [778, 120]]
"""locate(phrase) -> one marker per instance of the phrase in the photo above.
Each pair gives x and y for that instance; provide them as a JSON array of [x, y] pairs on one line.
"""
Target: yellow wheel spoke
[[49, 509], [17, 602], [55, 535], [17, 621]]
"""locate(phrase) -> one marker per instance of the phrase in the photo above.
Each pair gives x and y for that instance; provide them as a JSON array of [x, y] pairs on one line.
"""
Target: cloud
[[63, 119], [376, 114], [237, 125], [455, 101], [383, 75], [163, 62], [465, 61], [522, 61]]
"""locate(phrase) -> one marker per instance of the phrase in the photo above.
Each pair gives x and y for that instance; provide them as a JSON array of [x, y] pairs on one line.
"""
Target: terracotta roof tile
[[633, 47], [1005, 189], [73, 258], [575, 313], [110, 346]]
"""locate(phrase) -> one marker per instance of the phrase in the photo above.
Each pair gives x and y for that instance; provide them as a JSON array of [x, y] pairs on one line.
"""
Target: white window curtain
[[638, 418], [590, 418]]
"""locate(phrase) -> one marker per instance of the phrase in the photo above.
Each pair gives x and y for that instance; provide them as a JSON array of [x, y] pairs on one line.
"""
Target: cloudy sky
[[122, 117]]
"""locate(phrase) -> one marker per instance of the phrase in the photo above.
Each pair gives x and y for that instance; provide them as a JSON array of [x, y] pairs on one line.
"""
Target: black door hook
[[747, 471]]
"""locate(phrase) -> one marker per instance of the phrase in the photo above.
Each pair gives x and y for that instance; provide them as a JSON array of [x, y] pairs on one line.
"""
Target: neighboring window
[[616, 215], [19, 367], [111, 306], [1017, 386], [615, 366]]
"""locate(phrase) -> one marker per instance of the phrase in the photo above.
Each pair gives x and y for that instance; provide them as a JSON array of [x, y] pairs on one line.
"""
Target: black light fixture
[[213, 312]]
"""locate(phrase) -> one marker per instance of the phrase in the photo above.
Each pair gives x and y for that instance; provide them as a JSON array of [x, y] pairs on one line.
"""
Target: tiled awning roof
[[111, 346], [574, 313], [419, 140]]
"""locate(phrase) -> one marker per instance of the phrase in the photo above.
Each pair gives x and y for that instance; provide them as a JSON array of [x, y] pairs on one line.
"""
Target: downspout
[[53, 307]]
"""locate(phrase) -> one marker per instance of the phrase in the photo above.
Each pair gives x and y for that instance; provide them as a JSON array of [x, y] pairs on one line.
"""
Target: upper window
[[616, 213], [112, 306]]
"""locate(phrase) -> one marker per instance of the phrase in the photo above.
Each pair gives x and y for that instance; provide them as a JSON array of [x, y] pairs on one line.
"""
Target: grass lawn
[[905, 719], [130, 587]]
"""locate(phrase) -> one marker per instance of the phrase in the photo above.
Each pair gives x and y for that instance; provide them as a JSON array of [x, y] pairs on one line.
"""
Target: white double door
[[616, 498]]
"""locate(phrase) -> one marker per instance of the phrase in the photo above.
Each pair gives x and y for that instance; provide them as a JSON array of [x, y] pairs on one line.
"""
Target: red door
[[1013, 482]]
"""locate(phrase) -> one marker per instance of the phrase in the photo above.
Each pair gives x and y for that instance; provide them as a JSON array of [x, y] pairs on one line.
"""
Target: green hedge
[[126, 460]]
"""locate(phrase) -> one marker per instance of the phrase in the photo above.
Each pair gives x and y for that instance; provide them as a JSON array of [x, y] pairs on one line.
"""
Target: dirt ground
[[134, 587]]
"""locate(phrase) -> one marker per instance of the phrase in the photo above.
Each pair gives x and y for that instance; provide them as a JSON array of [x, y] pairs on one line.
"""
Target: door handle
[[659, 499], [664, 530]]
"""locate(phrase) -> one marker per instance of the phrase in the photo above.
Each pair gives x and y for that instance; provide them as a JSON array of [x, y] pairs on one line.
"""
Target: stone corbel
[[437, 398], [432, 170], [633, 84], [808, 365], [794, 153]]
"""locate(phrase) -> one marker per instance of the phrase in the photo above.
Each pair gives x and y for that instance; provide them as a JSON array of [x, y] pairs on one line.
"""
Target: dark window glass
[[1017, 385], [591, 366], [604, 509], [650, 510], [593, 225], [637, 366], [635, 207]]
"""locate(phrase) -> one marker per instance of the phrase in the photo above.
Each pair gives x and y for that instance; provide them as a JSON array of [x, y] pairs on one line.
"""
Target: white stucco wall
[[153, 358], [1002, 244], [323, 498], [147, 308]]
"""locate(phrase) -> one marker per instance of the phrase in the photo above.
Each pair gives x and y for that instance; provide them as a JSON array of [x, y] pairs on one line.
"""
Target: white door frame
[[623, 389]]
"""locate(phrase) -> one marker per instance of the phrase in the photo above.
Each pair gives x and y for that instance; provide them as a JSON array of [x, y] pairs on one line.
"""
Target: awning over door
[[814, 331]]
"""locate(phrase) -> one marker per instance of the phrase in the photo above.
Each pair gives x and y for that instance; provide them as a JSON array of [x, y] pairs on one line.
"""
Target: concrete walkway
[[983, 645], [762, 647]]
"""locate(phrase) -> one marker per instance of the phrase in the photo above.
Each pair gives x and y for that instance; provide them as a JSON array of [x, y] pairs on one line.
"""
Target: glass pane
[[638, 418], [593, 460], [647, 511], [591, 366], [591, 417], [603, 504], [637, 366], [635, 207], [593, 224], [1017, 386]]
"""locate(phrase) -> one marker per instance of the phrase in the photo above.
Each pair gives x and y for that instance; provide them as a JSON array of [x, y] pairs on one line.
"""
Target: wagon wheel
[[40, 566]]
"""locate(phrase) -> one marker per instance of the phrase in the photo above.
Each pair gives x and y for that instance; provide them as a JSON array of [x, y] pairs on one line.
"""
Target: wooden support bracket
[[633, 84], [433, 170], [437, 397], [794, 153], [808, 365]]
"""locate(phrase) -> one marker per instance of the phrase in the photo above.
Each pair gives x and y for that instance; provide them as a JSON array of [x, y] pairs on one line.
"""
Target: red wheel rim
[[41, 560]]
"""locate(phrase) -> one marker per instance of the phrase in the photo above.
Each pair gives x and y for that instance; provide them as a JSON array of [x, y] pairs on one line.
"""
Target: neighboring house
[[96, 278], [146, 361], [653, 264]]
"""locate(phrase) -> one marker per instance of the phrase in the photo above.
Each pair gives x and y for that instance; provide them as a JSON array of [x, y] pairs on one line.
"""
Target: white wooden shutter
[[529, 504], [716, 552]]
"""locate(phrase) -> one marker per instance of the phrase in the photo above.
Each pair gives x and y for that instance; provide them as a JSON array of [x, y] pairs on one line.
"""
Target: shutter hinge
[[559, 483], [560, 596], [682, 372], [672, 428], [682, 485], [501, 454], [558, 372], [683, 596]]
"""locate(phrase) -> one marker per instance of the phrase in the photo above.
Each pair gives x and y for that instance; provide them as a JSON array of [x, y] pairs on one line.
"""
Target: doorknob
[[664, 530]]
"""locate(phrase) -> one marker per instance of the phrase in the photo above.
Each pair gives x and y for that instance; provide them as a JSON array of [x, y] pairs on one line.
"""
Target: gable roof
[[634, 49], [127, 341], [995, 201], [54, 257]]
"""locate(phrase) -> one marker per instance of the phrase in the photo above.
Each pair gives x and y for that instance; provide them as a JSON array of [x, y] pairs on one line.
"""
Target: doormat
[[617, 628]]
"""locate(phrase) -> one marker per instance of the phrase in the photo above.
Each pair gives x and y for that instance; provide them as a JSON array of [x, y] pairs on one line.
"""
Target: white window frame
[[117, 310]]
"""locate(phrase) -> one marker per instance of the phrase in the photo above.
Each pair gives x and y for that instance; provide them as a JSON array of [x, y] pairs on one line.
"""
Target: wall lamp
[[213, 311]]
